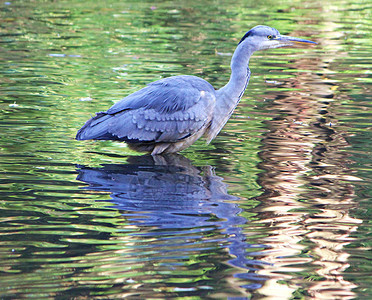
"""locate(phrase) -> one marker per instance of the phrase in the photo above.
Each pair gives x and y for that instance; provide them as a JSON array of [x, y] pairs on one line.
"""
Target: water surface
[[277, 206]]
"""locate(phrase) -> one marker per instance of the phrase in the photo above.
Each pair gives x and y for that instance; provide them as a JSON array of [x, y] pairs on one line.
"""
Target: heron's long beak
[[289, 40]]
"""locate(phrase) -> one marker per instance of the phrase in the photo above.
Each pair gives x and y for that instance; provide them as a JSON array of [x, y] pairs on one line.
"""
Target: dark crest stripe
[[245, 36]]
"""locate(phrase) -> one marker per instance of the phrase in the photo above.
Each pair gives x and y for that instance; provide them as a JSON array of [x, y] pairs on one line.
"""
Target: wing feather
[[166, 110]]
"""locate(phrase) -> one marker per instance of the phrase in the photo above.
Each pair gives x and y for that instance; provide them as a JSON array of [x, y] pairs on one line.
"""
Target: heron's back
[[166, 111]]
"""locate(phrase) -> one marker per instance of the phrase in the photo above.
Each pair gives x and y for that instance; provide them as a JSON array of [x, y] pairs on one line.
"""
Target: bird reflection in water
[[187, 209]]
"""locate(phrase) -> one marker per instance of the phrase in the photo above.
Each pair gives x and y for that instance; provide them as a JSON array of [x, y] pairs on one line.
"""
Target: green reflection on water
[[295, 156]]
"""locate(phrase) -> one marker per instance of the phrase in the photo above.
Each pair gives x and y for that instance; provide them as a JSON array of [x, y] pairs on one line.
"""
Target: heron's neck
[[228, 97], [239, 78]]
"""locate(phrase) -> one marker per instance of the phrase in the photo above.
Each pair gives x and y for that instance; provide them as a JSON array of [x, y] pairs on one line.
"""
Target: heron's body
[[170, 114]]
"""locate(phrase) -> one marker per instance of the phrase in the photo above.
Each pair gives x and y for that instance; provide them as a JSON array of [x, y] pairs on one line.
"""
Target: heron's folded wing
[[166, 110]]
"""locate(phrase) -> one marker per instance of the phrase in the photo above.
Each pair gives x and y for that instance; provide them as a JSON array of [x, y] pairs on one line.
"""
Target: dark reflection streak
[[164, 196]]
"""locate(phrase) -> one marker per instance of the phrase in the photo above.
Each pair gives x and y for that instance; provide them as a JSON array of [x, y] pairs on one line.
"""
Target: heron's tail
[[96, 128]]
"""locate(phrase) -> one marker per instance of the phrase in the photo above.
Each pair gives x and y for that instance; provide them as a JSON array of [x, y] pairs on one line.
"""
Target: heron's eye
[[270, 37]]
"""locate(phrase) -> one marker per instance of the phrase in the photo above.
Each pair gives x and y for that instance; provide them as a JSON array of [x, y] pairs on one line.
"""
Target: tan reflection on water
[[307, 201]]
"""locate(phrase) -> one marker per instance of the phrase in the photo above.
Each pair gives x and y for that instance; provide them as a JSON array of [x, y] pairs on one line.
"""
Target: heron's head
[[264, 37]]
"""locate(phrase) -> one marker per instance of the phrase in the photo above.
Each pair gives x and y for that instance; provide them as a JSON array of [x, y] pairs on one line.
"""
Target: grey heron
[[170, 114]]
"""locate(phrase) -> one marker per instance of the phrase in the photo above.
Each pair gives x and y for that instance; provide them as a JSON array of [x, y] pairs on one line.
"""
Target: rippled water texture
[[276, 207]]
